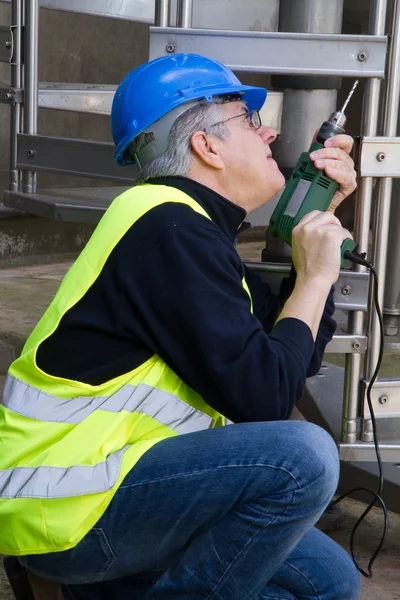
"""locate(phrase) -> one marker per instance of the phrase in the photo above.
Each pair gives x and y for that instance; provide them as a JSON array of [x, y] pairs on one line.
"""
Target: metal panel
[[365, 452], [380, 157], [5, 44], [86, 98], [82, 205], [135, 10], [71, 157], [351, 289], [290, 53], [347, 344], [385, 396], [97, 100]]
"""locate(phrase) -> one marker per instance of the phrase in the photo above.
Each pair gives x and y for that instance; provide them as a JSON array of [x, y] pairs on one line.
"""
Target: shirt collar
[[228, 216]]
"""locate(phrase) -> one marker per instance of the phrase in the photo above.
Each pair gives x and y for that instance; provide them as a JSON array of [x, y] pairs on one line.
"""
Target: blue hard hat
[[155, 88]]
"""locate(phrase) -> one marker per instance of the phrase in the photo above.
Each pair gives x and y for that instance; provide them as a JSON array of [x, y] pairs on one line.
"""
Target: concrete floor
[[26, 291]]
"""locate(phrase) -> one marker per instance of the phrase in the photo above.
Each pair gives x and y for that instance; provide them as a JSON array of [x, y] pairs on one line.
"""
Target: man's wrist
[[316, 284]]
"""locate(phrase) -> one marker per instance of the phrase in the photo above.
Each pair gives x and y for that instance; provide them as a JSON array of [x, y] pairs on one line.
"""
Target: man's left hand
[[334, 159]]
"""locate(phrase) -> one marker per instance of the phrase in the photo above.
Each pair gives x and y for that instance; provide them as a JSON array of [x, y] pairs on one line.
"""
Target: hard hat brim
[[253, 97]]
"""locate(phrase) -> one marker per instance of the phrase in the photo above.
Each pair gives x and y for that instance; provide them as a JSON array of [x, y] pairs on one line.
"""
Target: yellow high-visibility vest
[[66, 446]]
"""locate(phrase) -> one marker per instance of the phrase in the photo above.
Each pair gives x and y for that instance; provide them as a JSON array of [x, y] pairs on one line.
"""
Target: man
[[118, 477]]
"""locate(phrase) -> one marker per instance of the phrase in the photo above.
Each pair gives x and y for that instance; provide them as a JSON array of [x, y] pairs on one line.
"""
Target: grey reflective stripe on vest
[[58, 482], [78, 480], [165, 408]]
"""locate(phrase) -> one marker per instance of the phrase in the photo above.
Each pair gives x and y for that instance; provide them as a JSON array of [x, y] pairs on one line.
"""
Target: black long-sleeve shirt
[[173, 287]]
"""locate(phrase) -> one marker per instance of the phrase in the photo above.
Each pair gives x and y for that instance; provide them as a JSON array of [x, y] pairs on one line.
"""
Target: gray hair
[[177, 159]]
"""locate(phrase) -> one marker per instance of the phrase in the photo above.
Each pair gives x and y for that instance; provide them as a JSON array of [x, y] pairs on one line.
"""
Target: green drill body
[[309, 188]]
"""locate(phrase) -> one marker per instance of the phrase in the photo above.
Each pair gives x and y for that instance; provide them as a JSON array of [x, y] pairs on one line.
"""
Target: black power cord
[[360, 259]]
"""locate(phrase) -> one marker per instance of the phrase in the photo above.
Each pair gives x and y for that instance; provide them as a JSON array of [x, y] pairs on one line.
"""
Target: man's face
[[248, 158]]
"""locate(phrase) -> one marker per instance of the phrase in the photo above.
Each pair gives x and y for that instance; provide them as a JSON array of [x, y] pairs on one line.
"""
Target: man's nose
[[267, 134]]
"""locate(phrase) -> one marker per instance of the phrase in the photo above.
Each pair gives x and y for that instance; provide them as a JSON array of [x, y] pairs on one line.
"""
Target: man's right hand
[[316, 242]]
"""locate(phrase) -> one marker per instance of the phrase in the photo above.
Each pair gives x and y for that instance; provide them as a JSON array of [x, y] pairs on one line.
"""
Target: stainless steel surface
[[73, 157], [373, 164], [135, 10], [317, 16], [381, 231], [252, 15], [83, 205], [369, 127], [392, 287], [161, 18], [185, 13], [359, 282], [365, 452], [345, 344], [289, 53], [303, 113], [97, 99], [5, 44], [16, 81], [86, 98], [385, 397], [31, 69]]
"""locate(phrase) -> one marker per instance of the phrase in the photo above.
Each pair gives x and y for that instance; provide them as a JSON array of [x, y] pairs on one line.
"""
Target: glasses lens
[[256, 119]]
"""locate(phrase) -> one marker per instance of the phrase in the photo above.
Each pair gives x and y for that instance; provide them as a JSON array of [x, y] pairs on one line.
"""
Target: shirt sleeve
[[198, 319], [267, 307]]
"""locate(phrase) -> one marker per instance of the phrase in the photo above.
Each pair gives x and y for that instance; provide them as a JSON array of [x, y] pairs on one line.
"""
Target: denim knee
[[318, 458]]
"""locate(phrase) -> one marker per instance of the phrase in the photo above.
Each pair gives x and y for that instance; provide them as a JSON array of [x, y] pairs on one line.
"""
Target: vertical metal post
[[382, 221], [378, 10], [184, 14], [31, 82], [16, 80], [162, 13]]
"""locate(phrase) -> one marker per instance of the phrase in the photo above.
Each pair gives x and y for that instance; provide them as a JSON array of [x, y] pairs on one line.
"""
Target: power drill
[[310, 188]]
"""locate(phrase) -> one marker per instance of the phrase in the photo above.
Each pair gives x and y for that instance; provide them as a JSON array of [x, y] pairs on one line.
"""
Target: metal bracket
[[380, 157], [365, 452], [6, 44], [276, 52], [9, 95], [71, 157], [385, 396]]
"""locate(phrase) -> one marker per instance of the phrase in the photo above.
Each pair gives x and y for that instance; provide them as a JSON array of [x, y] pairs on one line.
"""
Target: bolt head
[[170, 48], [380, 157], [346, 290], [31, 153], [356, 345], [383, 399], [362, 56]]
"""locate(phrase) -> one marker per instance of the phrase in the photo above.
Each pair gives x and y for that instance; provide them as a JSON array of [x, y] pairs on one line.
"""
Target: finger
[[342, 140], [332, 153], [319, 218], [346, 179], [331, 232]]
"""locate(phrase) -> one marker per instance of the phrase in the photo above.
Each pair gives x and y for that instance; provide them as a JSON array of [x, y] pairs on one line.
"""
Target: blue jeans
[[224, 514]]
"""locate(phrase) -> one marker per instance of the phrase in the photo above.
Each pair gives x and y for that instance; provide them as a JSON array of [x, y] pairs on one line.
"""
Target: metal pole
[[378, 10], [184, 14], [31, 82], [16, 79], [162, 13], [382, 221]]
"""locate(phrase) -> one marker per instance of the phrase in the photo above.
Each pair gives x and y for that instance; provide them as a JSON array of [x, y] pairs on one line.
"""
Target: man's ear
[[207, 149]]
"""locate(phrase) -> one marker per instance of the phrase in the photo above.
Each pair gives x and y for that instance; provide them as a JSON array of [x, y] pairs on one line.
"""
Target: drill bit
[[349, 96]]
